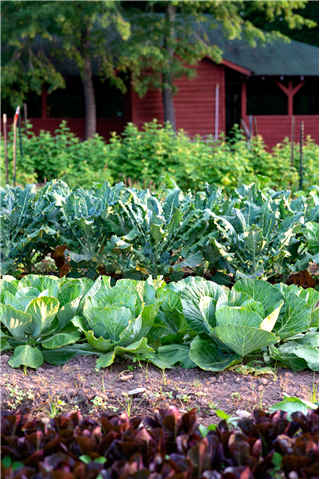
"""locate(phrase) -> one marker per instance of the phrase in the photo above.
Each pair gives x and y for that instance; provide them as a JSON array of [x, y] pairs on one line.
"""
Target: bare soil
[[78, 385]]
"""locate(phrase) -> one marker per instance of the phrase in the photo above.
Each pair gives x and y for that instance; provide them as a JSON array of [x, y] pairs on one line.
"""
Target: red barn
[[269, 90]]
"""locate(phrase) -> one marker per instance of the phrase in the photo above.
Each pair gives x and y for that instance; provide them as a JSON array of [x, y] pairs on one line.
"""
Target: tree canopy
[[68, 30], [163, 47], [150, 43]]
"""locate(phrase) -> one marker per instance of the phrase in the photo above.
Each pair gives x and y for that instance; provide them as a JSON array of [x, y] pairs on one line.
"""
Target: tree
[[25, 63], [309, 11], [169, 38], [71, 30]]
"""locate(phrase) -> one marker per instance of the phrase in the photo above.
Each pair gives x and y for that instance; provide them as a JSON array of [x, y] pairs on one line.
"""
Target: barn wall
[[77, 125], [194, 104], [275, 128]]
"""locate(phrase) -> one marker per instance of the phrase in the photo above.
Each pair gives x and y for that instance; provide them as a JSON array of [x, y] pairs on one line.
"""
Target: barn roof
[[278, 58]]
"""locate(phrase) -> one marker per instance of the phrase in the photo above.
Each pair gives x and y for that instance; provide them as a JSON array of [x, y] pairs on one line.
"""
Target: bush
[[142, 157]]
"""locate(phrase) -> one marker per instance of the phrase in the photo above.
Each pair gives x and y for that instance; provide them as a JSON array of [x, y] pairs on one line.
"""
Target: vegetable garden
[[206, 282]]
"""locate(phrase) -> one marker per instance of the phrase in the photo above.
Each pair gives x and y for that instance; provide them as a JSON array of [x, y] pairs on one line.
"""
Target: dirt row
[[140, 388]]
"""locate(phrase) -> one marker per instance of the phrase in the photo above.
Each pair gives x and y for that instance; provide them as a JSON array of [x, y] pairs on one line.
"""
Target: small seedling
[[197, 383], [128, 405], [236, 396], [18, 394], [97, 402], [55, 406], [183, 397], [314, 394], [212, 405], [164, 377]]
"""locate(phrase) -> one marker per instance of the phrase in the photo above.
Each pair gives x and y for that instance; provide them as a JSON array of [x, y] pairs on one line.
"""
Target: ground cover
[[124, 232]]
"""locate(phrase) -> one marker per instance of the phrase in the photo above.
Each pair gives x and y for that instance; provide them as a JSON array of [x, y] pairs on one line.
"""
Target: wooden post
[[25, 120], [15, 143], [255, 126], [5, 133], [44, 95], [244, 98], [20, 136], [301, 153], [292, 138], [290, 92]]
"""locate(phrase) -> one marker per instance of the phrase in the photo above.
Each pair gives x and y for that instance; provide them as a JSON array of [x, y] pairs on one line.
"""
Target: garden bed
[[81, 387]]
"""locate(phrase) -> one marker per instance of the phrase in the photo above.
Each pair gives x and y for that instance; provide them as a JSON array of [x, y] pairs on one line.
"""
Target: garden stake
[[15, 144], [292, 138], [255, 126], [301, 156], [25, 120], [5, 145], [20, 137]]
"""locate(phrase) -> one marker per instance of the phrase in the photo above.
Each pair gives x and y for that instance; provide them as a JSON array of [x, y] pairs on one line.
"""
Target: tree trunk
[[167, 96], [91, 121]]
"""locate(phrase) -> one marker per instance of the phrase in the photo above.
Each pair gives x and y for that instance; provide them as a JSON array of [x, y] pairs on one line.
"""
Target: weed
[[103, 387], [128, 405], [314, 394], [183, 397], [55, 406], [263, 390], [113, 408], [235, 396], [196, 383], [212, 405], [164, 377], [19, 395], [97, 402], [145, 370]]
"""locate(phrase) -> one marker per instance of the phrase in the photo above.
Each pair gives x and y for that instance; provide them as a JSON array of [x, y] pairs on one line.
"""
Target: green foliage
[[33, 317], [252, 233], [193, 322], [61, 155], [157, 62], [142, 157], [30, 41], [309, 10]]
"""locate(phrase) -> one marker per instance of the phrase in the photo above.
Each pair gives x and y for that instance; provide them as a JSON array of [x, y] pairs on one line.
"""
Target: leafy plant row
[[143, 155], [137, 233], [166, 445], [193, 322]]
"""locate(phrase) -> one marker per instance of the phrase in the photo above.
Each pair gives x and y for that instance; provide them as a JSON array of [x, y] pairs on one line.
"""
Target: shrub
[[142, 157]]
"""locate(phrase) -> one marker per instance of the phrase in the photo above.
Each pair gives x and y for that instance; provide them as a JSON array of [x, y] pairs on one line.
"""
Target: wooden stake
[[292, 138], [25, 120], [15, 144], [20, 136], [255, 126], [301, 151], [5, 133]]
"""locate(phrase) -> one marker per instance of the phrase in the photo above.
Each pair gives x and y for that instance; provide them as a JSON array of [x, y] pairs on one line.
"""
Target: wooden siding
[[77, 125], [194, 104], [274, 129]]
